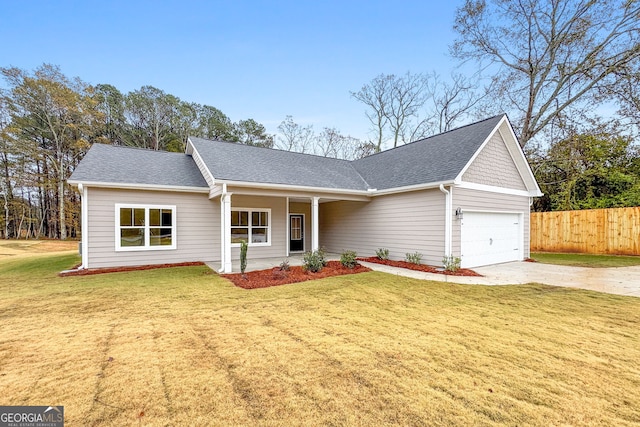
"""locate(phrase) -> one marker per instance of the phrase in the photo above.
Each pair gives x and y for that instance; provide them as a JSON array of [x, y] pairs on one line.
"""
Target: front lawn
[[586, 260], [182, 346]]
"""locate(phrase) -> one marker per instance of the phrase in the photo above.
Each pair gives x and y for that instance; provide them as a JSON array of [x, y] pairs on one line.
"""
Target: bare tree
[[626, 92], [376, 96], [394, 102], [408, 95], [329, 143], [454, 101], [450, 103], [294, 137], [549, 55], [412, 106]]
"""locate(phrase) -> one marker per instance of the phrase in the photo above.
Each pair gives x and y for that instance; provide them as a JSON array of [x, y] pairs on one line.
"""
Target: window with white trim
[[250, 225], [145, 227]]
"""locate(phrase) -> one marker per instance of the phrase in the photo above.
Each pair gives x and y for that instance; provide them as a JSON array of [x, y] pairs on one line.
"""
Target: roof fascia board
[[196, 154], [500, 190], [405, 189], [337, 191], [301, 188], [188, 148], [127, 186], [246, 191]]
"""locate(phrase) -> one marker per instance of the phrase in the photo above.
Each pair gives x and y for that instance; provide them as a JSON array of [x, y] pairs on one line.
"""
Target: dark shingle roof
[[125, 165], [437, 158], [237, 162]]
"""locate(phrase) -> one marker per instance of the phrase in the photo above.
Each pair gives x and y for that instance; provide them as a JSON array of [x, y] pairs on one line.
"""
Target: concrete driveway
[[619, 281]]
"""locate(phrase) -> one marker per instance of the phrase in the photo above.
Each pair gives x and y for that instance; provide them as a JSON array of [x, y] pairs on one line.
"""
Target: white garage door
[[490, 238]]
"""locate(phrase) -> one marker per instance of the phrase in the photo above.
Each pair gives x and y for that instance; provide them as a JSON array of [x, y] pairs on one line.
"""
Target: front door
[[296, 233]]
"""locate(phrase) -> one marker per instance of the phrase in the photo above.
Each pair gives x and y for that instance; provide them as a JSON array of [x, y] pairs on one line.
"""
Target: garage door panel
[[490, 238]]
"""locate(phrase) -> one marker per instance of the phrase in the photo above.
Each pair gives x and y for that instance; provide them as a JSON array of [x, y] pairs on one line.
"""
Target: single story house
[[465, 193]]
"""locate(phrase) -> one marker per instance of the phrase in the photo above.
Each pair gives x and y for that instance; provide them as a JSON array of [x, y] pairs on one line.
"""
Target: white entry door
[[490, 238]]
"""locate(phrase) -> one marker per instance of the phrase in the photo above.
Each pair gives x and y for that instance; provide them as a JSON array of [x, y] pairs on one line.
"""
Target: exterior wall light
[[459, 213]]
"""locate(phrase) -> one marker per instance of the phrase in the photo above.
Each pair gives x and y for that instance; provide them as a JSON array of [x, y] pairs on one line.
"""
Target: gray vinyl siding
[[495, 166], [278, 206], [197, 232], [305, 209], [405, 222], [492, 202]]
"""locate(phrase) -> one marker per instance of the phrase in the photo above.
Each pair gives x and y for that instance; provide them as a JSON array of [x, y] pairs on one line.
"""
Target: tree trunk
[[62, 215], [6, 216], [19, 231]]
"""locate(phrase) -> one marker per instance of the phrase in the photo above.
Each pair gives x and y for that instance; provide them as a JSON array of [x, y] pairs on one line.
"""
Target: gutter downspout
[[84, 227], [447, 221], [222, 228]]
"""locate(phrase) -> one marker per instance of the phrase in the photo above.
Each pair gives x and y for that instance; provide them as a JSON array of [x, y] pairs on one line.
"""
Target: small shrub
[[451, 263], [314, 261], [284, 265], [382, 253], [413, 258], [348, 259], [323, 255], [243, 256]]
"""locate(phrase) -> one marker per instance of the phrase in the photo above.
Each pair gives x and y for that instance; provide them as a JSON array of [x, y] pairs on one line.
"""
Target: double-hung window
[[145, 227], [251, 225]]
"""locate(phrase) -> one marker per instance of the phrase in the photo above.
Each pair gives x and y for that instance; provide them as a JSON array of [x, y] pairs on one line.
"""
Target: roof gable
[[504, 130], [229, 161], [439, 158], [494, 166]]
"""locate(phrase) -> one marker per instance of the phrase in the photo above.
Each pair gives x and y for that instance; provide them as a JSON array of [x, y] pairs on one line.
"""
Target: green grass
[[182, 346], [586, 260]]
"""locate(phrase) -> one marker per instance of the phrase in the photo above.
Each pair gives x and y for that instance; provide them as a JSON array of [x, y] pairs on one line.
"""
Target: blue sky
[[250, 59]]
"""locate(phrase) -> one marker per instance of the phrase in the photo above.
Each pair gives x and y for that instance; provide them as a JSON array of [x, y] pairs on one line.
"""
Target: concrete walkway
[[619, 281]]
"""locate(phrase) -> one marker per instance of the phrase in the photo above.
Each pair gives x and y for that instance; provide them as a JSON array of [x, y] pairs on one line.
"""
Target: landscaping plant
[[413, 258], [314, 261], [451, 263], [382, 253], [348, 259], [243, 255], [284, 265]]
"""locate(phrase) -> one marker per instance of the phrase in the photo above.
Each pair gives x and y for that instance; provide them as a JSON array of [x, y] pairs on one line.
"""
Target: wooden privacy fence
[[594, 231]]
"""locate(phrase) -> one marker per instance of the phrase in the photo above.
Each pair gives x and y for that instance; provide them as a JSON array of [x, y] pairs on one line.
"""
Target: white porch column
[[222, 227], [226, 232], [286, 227], [315, 226]]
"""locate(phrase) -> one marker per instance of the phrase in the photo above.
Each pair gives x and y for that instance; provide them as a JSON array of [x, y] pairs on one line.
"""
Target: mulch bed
[[276, 277], [91, 271], [421, 267]]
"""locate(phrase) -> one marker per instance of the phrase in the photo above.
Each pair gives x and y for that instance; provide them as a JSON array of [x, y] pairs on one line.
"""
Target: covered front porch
[[276, 224]]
